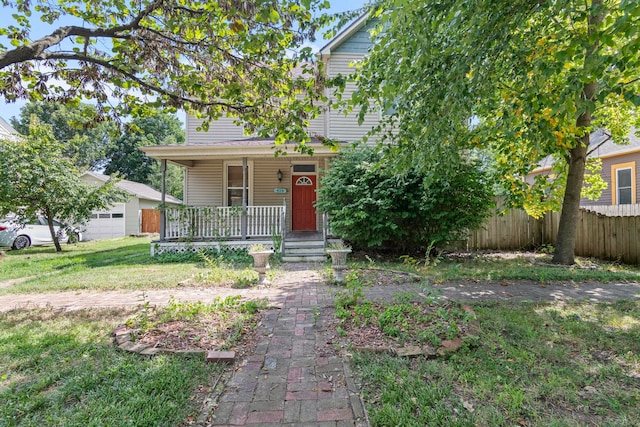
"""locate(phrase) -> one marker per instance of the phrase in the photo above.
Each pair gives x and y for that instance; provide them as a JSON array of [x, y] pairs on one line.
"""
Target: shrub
[[371, 204]]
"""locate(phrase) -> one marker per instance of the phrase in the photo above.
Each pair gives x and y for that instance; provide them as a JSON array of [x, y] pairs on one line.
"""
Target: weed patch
[[195, 325], [533, 365]]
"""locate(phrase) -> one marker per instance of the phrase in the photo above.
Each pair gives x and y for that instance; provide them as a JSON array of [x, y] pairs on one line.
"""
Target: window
[[624, 185], [304, 180], [117, 215], [233, 179], [304, 168]]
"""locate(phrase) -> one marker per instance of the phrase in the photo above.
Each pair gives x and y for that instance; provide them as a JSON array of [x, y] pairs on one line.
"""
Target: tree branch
[[153, 88], [36, 48], [600, 145]]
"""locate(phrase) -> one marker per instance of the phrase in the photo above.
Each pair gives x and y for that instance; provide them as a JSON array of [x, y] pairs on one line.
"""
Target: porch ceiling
[[185, 154]]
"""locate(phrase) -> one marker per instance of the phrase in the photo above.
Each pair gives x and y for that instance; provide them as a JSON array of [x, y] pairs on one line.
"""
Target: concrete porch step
[[304, 251], [304, 244]]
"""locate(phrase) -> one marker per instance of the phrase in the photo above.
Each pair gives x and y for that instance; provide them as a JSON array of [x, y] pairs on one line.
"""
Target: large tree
[[519, 79], [237, 57], [37, 178], [125, 157], [76, 125]]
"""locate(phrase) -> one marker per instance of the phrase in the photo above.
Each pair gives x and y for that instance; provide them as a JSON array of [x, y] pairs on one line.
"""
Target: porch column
[[163, 168], [243, 219]]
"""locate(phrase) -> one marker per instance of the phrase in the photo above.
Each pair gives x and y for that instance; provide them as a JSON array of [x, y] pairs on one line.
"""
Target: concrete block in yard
[[138, 348], [120, 330], [411, 350], [123, 338], [151, 351], [193, 351], [127, 345], [214, 356]]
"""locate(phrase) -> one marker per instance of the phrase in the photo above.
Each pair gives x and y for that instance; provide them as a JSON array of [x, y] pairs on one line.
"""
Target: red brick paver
[[290, 378]]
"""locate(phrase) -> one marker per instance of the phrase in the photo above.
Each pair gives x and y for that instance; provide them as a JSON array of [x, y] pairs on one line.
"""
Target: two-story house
[[237, 191]]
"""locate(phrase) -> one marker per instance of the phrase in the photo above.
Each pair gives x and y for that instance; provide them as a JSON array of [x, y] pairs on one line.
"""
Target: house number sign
[[280, 190]]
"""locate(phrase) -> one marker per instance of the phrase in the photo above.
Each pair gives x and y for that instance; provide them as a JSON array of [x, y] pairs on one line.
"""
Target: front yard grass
[[61, 368], [101, 265], [531, 364], [534, 365]]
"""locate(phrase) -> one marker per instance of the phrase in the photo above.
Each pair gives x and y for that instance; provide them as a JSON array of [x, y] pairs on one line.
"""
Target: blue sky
[[40, 29]]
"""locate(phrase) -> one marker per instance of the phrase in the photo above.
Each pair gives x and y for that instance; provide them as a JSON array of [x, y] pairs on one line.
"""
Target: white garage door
[[106, 224]]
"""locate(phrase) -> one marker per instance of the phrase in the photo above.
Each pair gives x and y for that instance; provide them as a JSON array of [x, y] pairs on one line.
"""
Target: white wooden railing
[[205, 222]]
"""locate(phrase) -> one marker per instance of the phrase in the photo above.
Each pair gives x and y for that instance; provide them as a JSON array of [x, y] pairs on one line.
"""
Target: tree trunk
[[568, 226], [54, 236]]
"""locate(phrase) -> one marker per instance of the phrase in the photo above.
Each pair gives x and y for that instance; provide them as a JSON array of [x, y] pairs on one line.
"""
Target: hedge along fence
[[599, 236]]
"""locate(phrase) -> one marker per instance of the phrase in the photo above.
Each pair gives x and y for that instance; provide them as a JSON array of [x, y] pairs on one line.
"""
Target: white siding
[[131, 217], [265, 180], [219, 130], [340, 126], [203, 183], [150, 204], [317, 126]]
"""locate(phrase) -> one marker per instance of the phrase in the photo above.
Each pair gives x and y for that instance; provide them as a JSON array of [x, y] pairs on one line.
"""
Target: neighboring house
[[6, 130], [619, 171], [138, 215], [236, 190]]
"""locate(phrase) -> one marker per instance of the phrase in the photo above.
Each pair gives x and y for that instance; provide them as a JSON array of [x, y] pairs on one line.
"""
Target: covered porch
[[239, 193]]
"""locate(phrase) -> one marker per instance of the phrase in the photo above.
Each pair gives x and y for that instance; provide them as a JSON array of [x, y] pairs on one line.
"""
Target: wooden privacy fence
[[599, 236], [150, 221], [514, 230]]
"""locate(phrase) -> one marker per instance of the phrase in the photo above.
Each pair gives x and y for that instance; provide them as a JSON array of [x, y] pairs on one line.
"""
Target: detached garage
[[138, 215], [106, 224]]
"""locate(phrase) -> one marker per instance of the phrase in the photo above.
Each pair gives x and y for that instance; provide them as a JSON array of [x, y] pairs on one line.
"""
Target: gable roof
[[609, 148], [6, 130], [344, 35], [137, 189], [600, 146]]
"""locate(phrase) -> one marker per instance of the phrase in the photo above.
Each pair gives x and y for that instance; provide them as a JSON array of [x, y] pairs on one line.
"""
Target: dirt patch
[[9, 283], [380, 277], [223, 330], [406, 329]]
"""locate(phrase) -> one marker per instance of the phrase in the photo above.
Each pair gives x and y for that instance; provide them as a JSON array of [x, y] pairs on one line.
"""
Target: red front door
[[303, 201]]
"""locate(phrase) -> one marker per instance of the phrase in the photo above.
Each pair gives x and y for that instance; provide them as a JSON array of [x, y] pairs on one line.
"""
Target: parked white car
[[19, 234]]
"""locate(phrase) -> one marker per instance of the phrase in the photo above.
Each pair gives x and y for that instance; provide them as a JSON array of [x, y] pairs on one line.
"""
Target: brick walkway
[[290, 379]]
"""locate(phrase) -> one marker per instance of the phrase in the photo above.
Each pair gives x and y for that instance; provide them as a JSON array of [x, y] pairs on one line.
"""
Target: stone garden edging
[[123, 339]]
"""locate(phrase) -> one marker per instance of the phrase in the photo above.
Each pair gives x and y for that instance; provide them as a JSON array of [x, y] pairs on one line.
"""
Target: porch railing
[[204, 222]]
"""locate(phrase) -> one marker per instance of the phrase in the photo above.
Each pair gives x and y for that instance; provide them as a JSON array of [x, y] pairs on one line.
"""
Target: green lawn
[[534, 365], [61, 369], [96, 265]]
